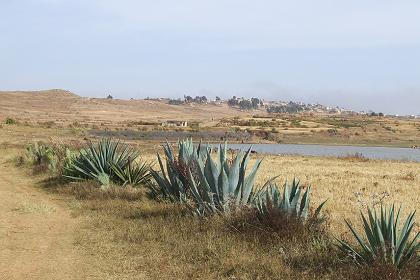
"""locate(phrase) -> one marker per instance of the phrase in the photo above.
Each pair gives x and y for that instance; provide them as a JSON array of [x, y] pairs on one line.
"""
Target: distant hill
[[62, 106]]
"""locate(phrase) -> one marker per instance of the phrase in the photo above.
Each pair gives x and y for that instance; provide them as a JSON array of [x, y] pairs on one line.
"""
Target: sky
[[358, 54]]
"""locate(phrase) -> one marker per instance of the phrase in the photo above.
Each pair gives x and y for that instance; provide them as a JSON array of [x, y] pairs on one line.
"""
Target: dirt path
[[36, 232]]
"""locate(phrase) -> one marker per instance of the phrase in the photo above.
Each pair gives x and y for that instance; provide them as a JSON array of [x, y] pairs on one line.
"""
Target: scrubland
[[143, 119], [136, 238], [126, 234]]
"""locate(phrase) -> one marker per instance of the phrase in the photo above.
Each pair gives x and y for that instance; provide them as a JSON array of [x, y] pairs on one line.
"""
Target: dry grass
[[133, 237], [349, 186], [144, 239], [62, 111], [330, 129], [63, 108]]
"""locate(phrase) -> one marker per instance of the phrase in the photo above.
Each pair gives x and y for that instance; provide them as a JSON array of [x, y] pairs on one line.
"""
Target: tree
[[255, 102], [188, 99], [175, 101], [233, 102], [245, 104], [203, 99]]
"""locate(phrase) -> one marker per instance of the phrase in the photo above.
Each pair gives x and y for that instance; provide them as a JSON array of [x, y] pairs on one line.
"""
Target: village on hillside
[[270, 106]]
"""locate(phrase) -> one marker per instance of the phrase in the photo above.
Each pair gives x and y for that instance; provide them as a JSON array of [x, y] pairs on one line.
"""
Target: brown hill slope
[[63, 107]]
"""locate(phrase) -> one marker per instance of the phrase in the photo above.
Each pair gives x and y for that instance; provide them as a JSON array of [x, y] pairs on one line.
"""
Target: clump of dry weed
[[356, 157]]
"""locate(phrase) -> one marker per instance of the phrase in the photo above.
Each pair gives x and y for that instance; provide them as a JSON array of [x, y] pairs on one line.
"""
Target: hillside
[[62, 106]]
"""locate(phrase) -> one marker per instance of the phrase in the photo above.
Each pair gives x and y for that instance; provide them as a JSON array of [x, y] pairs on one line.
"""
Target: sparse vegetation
[[276, 233], [10, 121], [151, 237], [42, 157]]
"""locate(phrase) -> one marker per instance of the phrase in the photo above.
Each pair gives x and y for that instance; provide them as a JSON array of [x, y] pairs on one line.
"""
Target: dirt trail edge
[[36, 232]]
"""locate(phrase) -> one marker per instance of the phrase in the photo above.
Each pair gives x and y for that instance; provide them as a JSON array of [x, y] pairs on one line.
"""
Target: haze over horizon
[[356, 54]]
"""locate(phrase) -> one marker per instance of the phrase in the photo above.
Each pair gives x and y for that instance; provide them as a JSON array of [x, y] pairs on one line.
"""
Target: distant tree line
[[175, 101], [245, 104], [188, 99], [242, 103], [197, 99], [374, 114], [290, 108]]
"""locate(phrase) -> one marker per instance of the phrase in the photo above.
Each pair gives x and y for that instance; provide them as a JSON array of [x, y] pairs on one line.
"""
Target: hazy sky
[[361, 54]]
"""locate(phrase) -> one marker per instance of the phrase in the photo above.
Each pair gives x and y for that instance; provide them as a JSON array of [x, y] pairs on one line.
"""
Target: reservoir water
[[389, 153]]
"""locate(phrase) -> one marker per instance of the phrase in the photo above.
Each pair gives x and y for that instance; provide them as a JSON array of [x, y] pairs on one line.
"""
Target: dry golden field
[[348, 184], [62, 109], [120, 235]]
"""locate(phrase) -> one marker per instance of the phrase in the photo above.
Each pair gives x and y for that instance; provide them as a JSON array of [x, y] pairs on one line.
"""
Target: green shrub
[[10, 121], [42, 157], [385, 241]]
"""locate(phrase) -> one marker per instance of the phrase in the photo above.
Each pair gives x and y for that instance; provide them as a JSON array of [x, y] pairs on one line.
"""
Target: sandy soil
[[37, 232]]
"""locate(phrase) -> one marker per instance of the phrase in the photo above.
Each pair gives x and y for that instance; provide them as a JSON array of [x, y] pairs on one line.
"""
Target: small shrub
[[42, 157], [390, 129], [409, 176], [10, 121], [20, 161], [332, 131], [355, 157]]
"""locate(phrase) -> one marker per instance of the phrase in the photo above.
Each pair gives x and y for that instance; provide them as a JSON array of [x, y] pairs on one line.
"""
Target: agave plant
[[205, 185], [219, 185], [293, 202], [98, 161], [173, 182], [384, 239], [133, 175]]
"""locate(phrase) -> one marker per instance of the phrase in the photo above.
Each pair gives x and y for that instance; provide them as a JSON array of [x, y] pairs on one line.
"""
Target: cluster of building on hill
[[255, 103], [239, 102], [174, 123], [298, 107]]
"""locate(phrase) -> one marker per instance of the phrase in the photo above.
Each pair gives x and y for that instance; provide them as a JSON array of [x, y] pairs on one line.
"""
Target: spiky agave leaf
[[133, 175], [384, 239], [173, 179], [97, 159], [211, 185], [223, 184], [291, 202]]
